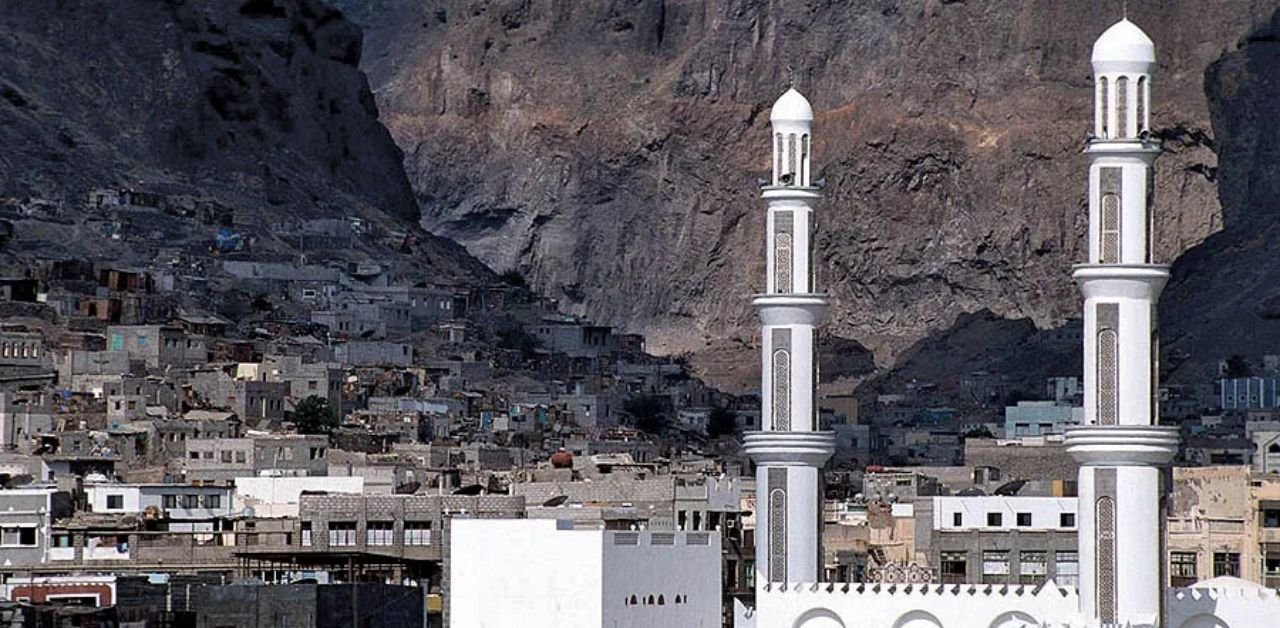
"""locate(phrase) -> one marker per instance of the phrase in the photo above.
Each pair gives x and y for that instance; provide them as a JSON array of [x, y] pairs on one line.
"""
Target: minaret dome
[[1123, 60], [792, 119]]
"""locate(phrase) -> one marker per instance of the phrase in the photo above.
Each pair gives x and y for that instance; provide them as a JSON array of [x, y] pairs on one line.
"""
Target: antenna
[[791, 75], [1124, 9]]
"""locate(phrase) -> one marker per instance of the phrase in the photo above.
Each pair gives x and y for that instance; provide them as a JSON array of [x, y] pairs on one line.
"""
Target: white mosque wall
[[840, 605]]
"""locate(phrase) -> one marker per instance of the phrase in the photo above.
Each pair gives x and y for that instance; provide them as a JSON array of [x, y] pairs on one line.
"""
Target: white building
[[538, 573], [1119, 446], [279, 496]]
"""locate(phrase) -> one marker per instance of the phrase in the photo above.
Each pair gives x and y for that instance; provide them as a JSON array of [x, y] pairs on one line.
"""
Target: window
[[1067, 568], [169, 501], [194, 455], [954, 568], [1024, 520], [957, 519], [208, 455], [317, 453], [342, 533], [1226, 564], [240, 457], [62, 540], [226, 456], [417, 533], [313, 385], [1032, 567], [697, 520], [18, 537], [995, 567], [681, 519], [305, 527], [379, 533], [212, 501], [995, 519], [1182, 569], [1067, 520], [1271, 518], [115, 502]]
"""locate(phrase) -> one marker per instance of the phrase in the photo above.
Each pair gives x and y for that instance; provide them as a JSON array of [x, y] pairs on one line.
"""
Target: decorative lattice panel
[[1108, 357], [1106, 560], [778, 525]]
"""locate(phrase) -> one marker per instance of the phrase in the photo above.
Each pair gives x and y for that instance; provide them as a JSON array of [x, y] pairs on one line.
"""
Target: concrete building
[[547, 573], [26, 526], [1039, 418], [23, 416], [158, 346], [281, 496], [169, 501], [373, 353], [575, 338], [999, 540], [221, 460], [1249, 393]]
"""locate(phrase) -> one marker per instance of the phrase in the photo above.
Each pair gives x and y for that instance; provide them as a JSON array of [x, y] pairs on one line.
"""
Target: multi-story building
[[158, 346], [221, 460], [999, 540]]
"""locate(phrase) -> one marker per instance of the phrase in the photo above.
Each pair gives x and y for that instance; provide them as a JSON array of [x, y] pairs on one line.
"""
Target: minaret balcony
[[792, 308], [1133, 281], [1122, 445], [790, 192], [790, 449], [1148, 146]]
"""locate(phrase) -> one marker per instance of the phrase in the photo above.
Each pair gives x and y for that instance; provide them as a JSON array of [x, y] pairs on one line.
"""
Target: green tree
[[313, 415], [722, 422]]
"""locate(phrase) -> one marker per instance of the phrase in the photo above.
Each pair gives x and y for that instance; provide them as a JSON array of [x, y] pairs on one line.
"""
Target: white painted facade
[[1004, 513], [1120, 448], [279, 496], [538, 573]]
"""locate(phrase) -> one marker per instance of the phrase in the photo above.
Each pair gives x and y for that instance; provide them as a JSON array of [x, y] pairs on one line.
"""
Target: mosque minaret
[[789, 451], [1120, 448]]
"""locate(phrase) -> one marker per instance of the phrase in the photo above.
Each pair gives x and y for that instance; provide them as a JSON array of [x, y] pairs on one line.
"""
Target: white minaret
[[789, 451], [1120, 448]]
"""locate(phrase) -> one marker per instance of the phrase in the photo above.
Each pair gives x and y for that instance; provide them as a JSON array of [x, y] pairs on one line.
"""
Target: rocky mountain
[[256, 105], [609, 148]]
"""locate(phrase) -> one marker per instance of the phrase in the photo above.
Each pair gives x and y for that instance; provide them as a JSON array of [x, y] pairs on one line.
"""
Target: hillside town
[[158, 452]]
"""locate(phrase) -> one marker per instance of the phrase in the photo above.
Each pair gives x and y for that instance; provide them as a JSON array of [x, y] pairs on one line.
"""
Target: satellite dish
[[1009, 489], [558, 500]]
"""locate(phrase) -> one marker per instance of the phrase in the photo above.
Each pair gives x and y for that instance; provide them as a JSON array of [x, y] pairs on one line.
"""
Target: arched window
[[1104, 106], [781, 390], [1110, 229], [1122, 107], [782, 256], [1274, 448], [1108, 383], [662, 601], [804, 160], [649, 600], [634, 600], [1143, 125], [791, 159], [777, 170]]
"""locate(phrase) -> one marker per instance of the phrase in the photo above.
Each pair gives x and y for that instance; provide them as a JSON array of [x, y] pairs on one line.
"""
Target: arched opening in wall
[[633, 600], [662, 601], [804, 160], [1110, 230], [1108, 384], [791, 159], [918, 619], [818, 618], [1014, 619], [1143, 125], [777, 169], [1204, 620], [1122, 107], [1103, 105], [1274, 448], [649, 600], [777, 535]]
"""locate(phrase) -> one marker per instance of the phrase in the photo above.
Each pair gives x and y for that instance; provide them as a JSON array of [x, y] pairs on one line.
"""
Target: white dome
[[792, 107], [1124, 42]]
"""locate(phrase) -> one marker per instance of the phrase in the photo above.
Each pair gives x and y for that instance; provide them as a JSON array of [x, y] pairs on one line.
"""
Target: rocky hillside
[[609, 148], [258, 105]]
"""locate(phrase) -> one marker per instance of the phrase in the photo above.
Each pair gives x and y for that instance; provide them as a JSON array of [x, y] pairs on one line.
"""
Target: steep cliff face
[[1224, 298], [262, 100], [610, 148]]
